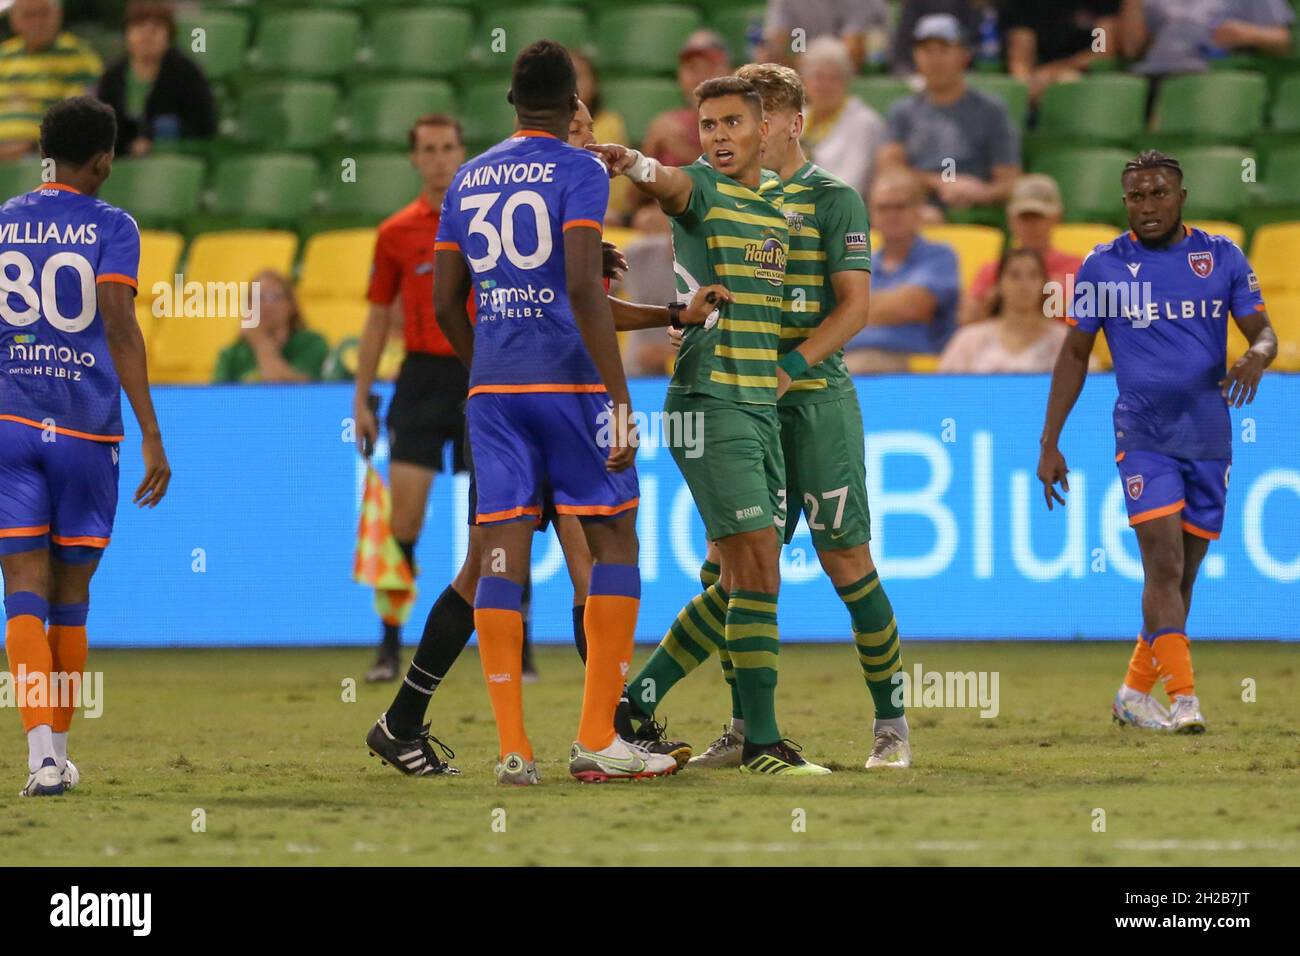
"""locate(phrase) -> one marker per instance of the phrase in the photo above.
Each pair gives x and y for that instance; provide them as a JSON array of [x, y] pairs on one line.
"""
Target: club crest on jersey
[[1202, 263], [1134, 484], [795, 221]]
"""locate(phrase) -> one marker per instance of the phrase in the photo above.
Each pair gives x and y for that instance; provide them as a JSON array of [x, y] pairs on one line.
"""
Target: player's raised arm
[[1067, 382], [126, 345], [451, 287], [632, 316], [667, 185]]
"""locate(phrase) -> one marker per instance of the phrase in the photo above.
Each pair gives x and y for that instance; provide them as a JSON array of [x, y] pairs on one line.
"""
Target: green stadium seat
[[159, 191], [287, 114], [644, 39], [257, 191], [420, 41], [485, 114], [1278, 182], [735, 24], [639, 100], [524, 25], [380, 112], [19, 176], [1285, 114], [385, 182], [1011, 91], [1103, 110], [1089, 180], [880, 92], [306, 42], [225, 41], [1209, 108], [1213, 178]]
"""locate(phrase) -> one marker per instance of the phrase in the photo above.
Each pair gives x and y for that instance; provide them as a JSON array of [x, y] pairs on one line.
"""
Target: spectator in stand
[[39, 66], [1020, 337], [845, 20], [1049, 43], [914, 283], [606, 126], [278, 347], [959, 142], [1182, 36], [911, 12], [649, 279], [157, 92], [1032, 213], [842, 134], [673, 136]]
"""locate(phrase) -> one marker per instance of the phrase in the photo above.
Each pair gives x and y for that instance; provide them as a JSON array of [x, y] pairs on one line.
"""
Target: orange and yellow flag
[[379, 562]]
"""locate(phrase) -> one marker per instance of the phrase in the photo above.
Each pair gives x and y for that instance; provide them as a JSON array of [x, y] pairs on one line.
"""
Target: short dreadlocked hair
[[1151, 159]]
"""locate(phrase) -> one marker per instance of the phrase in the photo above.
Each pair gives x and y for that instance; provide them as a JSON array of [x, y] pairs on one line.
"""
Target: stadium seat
[[160, 255], [336, 264], [1220, 227], [523, 25], [639, 100], [420, 41], [644, 39], [379, 113], [737, 24], [1284, 314], [1209, 108], [335, 318], [1274, 252], [1278, 182], [19, 176], [1080, 238], [225, 40], [1100, 111], [974, 245], [486, 115], [305, 42], [1213, 178], [879, 92], [288, 114], [185, 349], [1089, 180], [1011, 91], [156, 190], [1285, 114], [383, 184], [256, 191]]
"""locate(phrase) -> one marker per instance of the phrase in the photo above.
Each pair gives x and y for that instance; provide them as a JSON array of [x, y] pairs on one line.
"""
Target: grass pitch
[[263, 743]]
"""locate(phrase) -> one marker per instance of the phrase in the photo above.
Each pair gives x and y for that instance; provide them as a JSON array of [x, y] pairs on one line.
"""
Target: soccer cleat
[[1186, 717], [1135, 709], [723, 752], [649, 734], [71, 776], [45, 782], [621, 760], [383, 670], [414, 757], [889, 749], [781, 757], [515, 771]]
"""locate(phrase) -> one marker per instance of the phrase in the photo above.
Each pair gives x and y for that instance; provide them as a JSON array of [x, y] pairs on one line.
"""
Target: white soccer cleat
[[1135, 709], [619, 761], [45, 782], [1186, 716], [889, 749], [723, 752], [71, 776], [515, 771]]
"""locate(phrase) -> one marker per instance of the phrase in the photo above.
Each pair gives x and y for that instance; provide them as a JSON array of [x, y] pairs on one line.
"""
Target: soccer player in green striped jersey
[[728, 228], [827, 293]]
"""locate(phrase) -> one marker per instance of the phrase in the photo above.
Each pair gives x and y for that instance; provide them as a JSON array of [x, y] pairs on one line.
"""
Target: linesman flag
[[379, 562]]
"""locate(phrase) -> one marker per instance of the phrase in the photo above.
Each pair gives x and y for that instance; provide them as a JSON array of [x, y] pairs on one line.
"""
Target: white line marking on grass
[[1211, 846]]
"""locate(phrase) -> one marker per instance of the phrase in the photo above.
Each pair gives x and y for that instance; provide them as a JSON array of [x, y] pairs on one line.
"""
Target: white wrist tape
[[644, 169]]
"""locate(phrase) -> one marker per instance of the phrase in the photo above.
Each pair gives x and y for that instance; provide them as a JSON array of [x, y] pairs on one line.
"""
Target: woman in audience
[[1020, 337], [276, 346], [158, 93]]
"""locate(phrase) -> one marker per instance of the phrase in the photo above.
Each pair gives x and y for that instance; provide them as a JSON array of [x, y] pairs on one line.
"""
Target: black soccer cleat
[[781, 757], [648, 733], [414, 757]]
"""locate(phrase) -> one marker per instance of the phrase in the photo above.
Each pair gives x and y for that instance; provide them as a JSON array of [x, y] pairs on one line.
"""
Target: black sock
[[446, 632], [580, 631]]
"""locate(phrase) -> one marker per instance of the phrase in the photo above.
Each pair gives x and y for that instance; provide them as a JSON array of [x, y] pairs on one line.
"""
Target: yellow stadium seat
[[1080, 238], [1220, 227], [974, 245], [160, 254], [1284, 313], [620, 236], [144, 318], [334, 318], [1274, 253], [186, 342], [336, 264], [922, 364]]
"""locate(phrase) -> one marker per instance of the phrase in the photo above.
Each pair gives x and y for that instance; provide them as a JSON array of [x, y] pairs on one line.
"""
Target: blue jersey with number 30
[[506, 212], [56, 246]]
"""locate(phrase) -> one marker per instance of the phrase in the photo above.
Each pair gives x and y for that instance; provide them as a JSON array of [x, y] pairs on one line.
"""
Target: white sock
[[899, 725], [40, 744], [738, 725], [60, 749]]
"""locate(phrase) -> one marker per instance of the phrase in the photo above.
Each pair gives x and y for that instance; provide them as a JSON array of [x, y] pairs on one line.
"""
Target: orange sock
[[613, 600], [67, 637], [1173, 653], [1142, 673], [500, 628], [29, 655]]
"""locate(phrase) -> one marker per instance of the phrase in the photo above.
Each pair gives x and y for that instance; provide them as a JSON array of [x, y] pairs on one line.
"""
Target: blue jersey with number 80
[[506, 213]]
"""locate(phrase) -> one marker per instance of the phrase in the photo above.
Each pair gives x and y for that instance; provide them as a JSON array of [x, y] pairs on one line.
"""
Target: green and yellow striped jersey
[[735, 236], [31, 82], [829, 233]]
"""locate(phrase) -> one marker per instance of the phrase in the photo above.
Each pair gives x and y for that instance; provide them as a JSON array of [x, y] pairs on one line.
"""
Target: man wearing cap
[[960, 143], [673, 137], [1034, 209]]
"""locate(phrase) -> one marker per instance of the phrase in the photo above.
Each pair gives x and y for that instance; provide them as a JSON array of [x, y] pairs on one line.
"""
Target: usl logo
[[1135, 484], [1202, 263]]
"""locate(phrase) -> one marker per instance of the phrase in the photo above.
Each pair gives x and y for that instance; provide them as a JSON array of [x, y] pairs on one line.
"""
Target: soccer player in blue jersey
[[69, 345], [521, 227], [1162, 293]]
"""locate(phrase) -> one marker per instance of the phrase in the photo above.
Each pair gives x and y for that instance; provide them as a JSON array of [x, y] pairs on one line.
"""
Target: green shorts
[[734, 467], [825, 473]]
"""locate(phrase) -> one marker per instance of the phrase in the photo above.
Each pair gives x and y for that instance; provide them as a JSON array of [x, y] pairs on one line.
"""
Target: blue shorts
[[59, 494], [1156, 485], [528, 442]]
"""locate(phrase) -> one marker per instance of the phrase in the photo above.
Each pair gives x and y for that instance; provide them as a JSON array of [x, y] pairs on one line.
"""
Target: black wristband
[[675, 314]]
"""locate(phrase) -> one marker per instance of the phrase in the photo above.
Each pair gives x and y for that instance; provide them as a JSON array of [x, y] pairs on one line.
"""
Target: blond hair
[[779, 85]]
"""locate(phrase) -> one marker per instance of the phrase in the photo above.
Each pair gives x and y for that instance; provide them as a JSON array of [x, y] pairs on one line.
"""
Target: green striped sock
[[697, 633], [753, 646], [875, 631], [710, 574]]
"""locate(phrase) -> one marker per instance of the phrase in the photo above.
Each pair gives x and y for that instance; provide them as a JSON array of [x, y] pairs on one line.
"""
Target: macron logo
[[134, 910], [1133, 268]]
